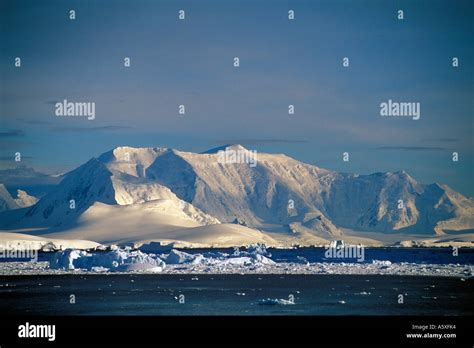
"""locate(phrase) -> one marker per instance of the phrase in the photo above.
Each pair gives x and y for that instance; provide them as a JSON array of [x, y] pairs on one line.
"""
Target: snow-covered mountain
[[24, 200], [107, 180], [387, 202], [281, 190], [6, 200], [278, 194]]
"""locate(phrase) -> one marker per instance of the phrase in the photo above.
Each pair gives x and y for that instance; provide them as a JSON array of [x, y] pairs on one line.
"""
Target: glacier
[[145, 195]]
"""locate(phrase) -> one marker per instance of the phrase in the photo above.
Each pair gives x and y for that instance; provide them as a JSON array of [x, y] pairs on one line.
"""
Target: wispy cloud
[[33, 122], [260, 141], [90, 129], [11, 133], [442, 140], [410, 148]]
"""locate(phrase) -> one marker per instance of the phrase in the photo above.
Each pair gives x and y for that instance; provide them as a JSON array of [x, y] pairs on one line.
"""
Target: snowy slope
[[6, 200], [386, 202], [237, 191], [261, 195], [159, 220], [23, 199], [107, 180], [78, 190], [19, 241], [132, 194]]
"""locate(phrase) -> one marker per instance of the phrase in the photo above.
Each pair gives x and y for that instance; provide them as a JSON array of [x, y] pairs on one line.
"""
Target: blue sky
[[282, 62]]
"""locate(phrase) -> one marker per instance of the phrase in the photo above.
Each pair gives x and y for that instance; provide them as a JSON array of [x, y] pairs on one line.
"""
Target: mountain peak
[[130, 149], [278, 192], [128, 153]]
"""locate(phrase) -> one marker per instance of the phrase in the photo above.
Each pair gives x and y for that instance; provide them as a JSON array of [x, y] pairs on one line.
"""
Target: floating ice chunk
[[99, 269], [149, 267], [238, 261], [248, 261], [382, 263], [264, 260], [176, 257], [254, 254], [65, 259], [252, 250], [363, 293], [258, 249], [275, 301]]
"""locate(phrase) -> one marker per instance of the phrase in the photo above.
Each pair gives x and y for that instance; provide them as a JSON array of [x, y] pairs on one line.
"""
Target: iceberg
[[176, 257], [117, 260], [128, 260], [275, 301]]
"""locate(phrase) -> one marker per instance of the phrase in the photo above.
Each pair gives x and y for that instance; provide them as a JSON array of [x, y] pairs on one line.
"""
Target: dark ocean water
[[122, 294], [395, 255]]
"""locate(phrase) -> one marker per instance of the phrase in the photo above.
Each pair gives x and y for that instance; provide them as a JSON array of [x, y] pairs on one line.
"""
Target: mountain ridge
[[278, 194]]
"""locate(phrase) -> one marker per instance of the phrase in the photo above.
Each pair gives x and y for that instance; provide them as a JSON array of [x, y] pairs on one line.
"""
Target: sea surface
[[441, 256], [161, 294], [250, 294]]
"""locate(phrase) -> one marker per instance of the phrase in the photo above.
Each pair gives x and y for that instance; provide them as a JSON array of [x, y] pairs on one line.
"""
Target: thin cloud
[[33, 122], [260, 141], [410, 148], [52, 102], [12, 133], [442, 140], [90, 129]]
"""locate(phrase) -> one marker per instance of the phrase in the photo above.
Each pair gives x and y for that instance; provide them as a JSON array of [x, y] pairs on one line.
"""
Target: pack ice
[[126, 260]]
